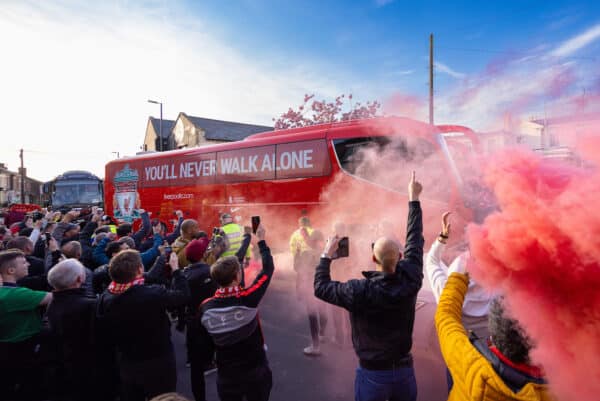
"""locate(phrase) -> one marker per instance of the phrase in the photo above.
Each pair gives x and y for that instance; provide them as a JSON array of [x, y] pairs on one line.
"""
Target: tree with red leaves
[[320, 112]]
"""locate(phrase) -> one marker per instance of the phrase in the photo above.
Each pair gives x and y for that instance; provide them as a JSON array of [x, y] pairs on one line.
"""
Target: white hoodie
[[477, 300]]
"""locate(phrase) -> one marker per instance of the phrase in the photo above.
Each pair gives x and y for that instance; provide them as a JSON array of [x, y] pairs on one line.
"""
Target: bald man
[[382, 309]]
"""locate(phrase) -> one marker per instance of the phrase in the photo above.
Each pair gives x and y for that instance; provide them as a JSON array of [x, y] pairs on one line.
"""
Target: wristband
[[443, 236]]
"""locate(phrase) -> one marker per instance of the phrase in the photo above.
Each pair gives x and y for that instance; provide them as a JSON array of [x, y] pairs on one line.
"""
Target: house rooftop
[[220, 130], [167, 126]]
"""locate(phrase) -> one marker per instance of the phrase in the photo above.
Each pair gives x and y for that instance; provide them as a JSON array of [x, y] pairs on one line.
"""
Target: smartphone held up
[[343, 249], [255, 223]]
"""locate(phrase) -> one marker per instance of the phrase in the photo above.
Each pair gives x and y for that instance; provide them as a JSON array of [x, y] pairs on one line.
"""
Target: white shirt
[[477, 300]]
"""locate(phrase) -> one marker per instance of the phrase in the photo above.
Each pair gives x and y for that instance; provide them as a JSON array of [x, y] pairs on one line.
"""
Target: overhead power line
[[507, 52]]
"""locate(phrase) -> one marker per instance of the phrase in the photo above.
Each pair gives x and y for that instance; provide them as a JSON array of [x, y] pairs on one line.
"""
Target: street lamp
[[160, 126]]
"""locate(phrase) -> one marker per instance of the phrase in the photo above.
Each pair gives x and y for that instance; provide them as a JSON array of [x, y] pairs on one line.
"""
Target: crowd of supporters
[[87, 306]]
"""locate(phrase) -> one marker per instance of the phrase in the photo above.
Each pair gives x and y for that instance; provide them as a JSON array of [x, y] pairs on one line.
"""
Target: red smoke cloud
[[543, 250]]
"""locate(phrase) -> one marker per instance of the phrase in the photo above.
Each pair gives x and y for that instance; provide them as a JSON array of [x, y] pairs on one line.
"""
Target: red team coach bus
[[355, 171]]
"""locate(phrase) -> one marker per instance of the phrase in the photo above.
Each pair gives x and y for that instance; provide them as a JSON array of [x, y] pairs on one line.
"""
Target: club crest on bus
[[126, 201]]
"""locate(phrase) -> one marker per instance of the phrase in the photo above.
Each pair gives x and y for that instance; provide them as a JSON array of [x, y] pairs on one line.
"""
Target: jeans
[[399, 384]]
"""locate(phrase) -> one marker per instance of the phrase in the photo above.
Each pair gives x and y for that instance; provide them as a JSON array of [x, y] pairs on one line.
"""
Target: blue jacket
[[148, 257]]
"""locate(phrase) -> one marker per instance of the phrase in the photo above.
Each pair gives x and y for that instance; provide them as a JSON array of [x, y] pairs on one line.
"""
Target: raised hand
[[446, 224], [414, 188], [173, 261], [260, 232], [331, 245]]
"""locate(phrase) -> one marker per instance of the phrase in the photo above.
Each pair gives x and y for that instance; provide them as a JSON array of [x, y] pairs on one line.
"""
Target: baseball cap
[[194, 250]]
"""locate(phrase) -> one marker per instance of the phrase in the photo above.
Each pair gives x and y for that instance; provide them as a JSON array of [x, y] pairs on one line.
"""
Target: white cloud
[[539, 83], [578, 42], [443, 68], [519, 89], [75, 78]]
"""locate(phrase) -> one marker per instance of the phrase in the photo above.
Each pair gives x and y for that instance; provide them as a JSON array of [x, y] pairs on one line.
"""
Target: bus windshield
[[76, 192], [388, 161]]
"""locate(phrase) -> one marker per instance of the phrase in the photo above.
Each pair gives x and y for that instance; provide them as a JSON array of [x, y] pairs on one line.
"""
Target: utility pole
[[22, 172], [431, 78]]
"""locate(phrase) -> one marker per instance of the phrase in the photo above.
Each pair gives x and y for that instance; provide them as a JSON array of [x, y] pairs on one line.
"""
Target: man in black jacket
[[382, 309], [133, 318], [71, 317], [202, 287], [229, 323]]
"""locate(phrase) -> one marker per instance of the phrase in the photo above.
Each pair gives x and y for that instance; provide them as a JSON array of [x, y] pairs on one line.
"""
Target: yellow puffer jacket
[[474, 377]]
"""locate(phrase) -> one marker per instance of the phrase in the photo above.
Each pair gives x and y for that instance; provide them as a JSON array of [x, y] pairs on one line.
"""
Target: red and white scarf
[[119, 288], [227, 292]]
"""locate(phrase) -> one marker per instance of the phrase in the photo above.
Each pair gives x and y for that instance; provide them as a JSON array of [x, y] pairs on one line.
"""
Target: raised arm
[[334, 292], [139, 236], [241, 253], [413, 251], [179, 293], [458, 352], [85, 236], [52, 255], [177, 232], [254, 293], [157, 274], [37, 229], [99, 254], [151, 254], [436, 270]]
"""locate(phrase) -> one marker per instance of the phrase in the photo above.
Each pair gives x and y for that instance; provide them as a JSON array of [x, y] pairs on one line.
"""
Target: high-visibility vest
[[235, 236], [298, 243]]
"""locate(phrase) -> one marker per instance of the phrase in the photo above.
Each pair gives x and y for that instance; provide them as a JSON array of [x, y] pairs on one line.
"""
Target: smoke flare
[[543, 251]]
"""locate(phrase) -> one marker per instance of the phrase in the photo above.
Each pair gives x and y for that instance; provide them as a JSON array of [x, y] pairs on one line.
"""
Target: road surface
[[329, 377]]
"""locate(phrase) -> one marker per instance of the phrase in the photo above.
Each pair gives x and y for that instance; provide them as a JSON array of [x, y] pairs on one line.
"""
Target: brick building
[[10, 188]]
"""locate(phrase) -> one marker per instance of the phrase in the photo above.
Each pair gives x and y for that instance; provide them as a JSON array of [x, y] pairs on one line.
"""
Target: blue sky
[[388, 40], [76, 74]]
